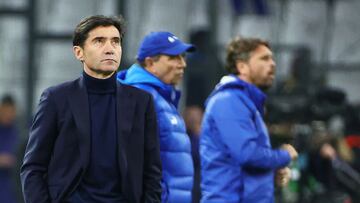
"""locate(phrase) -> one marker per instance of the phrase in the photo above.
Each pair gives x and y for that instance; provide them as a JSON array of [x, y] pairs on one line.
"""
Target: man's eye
[[116, 41], [98, 41], [176, 57], [265, 58]]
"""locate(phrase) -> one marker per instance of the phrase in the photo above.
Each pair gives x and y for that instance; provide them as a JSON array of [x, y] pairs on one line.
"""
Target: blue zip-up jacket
[[175, 147], [237, 161]]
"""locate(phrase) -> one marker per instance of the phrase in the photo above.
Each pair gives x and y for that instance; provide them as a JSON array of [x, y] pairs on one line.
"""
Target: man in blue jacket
[[238, 163], [160, 67]]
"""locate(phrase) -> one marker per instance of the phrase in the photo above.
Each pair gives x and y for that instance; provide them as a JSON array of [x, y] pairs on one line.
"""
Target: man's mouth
[[107, 60]]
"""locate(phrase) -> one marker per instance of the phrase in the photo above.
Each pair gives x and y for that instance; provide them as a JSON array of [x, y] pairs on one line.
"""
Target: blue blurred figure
[[8, 145], [238, 163], [193, 116], [159, 68]]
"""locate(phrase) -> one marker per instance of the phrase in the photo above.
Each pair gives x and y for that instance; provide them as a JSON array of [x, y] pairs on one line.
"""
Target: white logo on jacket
[[171, 39], [173, 120]]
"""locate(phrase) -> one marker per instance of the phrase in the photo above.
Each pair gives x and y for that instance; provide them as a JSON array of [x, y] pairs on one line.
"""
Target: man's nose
[[273, 64], [109, 48], [182, 62]]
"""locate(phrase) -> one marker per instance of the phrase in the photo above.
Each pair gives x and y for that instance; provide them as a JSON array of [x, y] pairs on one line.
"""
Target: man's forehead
[[104, 31], [167, 55], [263, 50]]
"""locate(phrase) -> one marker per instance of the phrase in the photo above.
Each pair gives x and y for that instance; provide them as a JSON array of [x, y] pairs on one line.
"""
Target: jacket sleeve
[[38, 152], [236, 128], [152, 163]]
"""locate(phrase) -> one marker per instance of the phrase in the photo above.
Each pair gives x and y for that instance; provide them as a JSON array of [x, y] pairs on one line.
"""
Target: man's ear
[[79, 53], [241, 67], [149, 64], [148, 61]]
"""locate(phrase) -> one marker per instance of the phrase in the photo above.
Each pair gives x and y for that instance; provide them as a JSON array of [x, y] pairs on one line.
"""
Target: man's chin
[[108, 70], [105, 73], [265, 87]]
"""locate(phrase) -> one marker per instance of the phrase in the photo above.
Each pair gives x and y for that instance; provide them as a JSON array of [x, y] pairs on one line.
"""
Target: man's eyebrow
[[267, 56], [98, 37], [102, 37]]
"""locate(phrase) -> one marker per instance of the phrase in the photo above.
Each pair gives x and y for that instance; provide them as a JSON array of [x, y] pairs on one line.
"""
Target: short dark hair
[[240, 49], [86, 25], [7, 99]]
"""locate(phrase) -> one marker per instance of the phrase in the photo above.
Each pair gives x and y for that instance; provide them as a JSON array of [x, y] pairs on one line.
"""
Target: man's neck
[[244, 78], [98, 75]]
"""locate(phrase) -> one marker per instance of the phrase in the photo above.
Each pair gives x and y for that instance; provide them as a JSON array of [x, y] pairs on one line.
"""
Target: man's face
[[169, 69], [101, 53], [260, 69], [7, 114]]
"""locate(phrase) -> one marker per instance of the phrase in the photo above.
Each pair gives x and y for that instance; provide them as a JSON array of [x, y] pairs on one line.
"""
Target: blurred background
[[315, 103]]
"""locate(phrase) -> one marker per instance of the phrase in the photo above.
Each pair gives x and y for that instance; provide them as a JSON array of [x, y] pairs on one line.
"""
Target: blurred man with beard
[[234, 142]]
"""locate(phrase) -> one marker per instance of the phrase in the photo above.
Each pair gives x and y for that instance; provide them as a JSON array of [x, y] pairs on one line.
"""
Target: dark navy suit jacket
[[58, 149]]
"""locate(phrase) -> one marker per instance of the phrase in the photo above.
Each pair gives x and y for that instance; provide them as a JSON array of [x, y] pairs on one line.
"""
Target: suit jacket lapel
[[79, 105], [125, 113]]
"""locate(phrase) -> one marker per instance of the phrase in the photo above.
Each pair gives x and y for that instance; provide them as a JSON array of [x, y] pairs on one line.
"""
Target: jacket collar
[[139, 75], [79, 104], [250, 90]]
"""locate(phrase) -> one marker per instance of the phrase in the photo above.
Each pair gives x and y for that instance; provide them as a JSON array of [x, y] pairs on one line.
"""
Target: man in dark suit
[[93, 139]]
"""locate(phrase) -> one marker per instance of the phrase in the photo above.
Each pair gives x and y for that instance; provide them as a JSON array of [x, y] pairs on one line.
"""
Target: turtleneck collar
[[95, 85]]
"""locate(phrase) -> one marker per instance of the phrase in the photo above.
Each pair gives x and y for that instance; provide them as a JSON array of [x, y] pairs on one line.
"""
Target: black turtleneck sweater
[[101, 182]]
